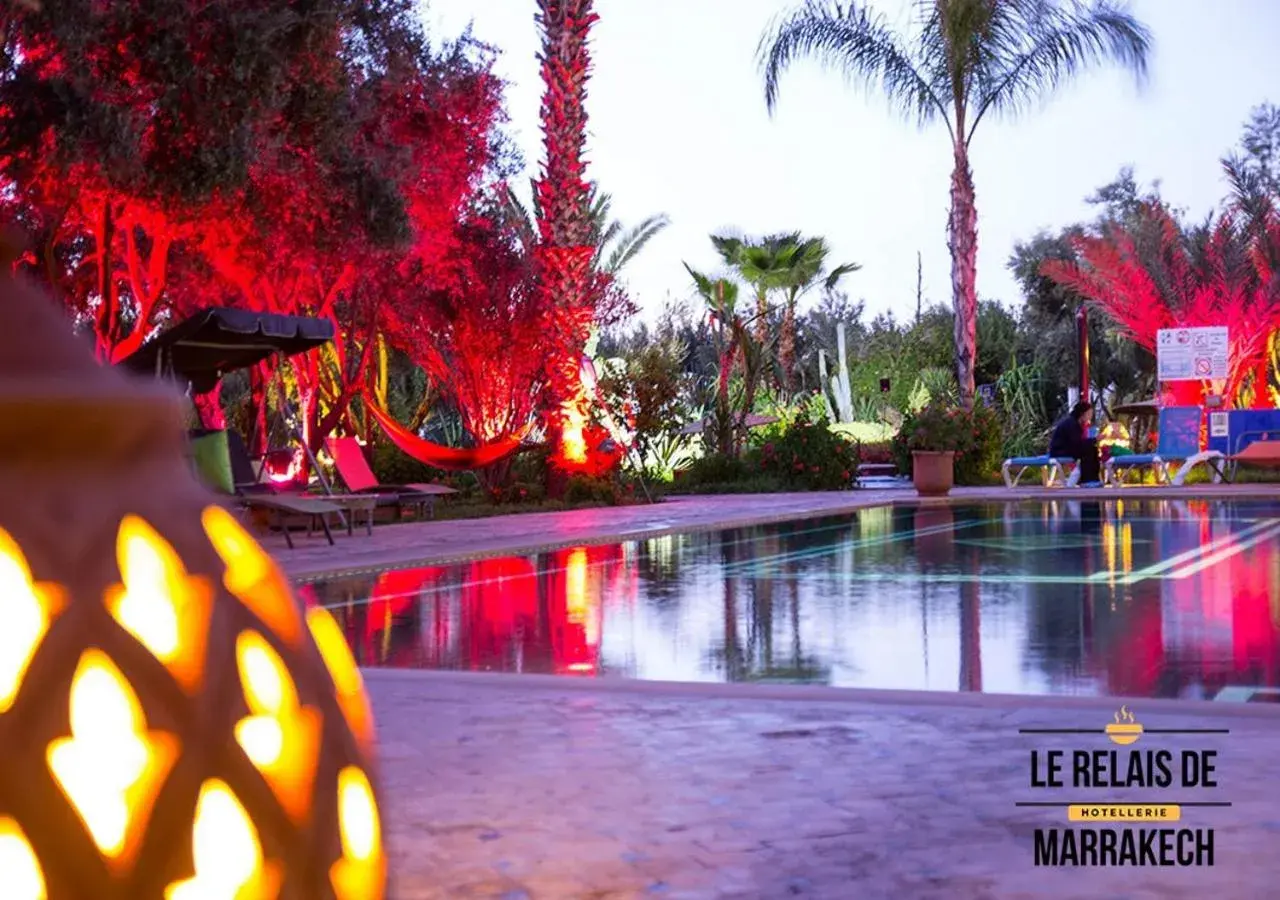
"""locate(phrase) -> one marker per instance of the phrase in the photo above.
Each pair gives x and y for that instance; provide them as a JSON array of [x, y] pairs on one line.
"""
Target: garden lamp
[[1113, 433], [173, 722]]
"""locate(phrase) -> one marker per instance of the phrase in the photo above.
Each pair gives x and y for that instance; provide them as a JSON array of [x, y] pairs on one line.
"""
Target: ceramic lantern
[[173, 723]]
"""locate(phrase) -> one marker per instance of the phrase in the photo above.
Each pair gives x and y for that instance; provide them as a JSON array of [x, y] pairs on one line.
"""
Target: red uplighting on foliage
[[565, 254], [1216, 286], [129, 259]]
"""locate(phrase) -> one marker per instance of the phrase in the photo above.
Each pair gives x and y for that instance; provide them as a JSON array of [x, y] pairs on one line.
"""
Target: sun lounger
[[1179, 445], [1259, 453], [353, 469], [226, 464], [1052, 469], [283, 506]]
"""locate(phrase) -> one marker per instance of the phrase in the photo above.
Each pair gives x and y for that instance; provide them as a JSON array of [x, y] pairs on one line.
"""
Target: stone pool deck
[[529, 787], [423, 543], [536, 788]]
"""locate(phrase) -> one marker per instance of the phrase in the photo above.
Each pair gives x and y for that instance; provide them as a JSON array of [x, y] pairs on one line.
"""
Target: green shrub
[[583, 489], [714, 468], [808, 455], [975, 436], [518, 492], [391, 465]]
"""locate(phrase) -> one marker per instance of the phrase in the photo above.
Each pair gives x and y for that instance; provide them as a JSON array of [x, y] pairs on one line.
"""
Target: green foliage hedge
[[975, 435], [808, 456]]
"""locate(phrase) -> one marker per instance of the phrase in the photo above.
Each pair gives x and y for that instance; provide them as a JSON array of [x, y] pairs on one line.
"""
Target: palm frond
[[1035, 47], [629, 243], [519, 218], [847, 37], [838, 273], [729, 247]]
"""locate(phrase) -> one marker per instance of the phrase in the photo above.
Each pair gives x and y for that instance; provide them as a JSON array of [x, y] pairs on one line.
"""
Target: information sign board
[[1191, 354]]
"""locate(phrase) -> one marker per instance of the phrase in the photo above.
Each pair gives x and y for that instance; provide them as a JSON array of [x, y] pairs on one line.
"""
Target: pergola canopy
[[200, 349]]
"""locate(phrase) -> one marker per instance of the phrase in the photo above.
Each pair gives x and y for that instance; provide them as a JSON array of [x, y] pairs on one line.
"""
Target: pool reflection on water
[[1132, 598]]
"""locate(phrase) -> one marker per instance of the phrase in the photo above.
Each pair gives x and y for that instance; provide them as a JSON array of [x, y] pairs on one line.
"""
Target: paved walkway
[[519, 787], [422, 543]]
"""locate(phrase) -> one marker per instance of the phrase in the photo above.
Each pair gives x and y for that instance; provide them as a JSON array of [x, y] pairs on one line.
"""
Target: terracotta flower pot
[[933, 472]]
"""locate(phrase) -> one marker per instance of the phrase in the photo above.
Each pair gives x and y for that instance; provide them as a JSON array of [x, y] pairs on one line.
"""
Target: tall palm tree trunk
[[787, 344], [762, 316], [962, 241]]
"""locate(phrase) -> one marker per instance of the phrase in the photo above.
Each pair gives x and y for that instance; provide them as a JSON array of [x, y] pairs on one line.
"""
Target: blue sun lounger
[[1179, 446], [1053, 470]]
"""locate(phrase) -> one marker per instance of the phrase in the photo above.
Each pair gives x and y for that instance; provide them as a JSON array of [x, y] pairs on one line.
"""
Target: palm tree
[[807, 267], [731, 335], [767, 265], [962, 60], [616, 245]]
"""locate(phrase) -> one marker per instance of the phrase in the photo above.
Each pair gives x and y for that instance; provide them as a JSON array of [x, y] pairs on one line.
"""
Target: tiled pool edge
[[305, 574], [529, 549], [1003, 704]]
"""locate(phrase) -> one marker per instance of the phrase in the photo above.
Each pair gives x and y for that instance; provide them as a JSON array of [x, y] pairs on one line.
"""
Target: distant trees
[[962, 60]]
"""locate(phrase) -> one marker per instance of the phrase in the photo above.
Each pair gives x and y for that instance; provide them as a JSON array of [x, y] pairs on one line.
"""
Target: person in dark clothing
[[1070, 440]]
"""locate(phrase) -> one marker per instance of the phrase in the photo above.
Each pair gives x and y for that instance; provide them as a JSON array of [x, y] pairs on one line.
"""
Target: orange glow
[[111, 765], [573, 443], [162, 606], [23, 878], [575, 585], [27, 609], [361, 873], [228, 856], [578, 606], [280, 737], [342, 669], [252, 577]]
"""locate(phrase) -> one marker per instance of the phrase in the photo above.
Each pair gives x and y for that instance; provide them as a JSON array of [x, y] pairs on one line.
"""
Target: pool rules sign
[[1191, 354]]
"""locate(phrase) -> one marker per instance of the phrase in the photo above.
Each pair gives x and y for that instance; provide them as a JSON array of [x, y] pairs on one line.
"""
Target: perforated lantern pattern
[[173, 723]]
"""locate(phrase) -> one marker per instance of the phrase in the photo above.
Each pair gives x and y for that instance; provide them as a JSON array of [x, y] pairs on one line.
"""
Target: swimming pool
[[1132, 598]]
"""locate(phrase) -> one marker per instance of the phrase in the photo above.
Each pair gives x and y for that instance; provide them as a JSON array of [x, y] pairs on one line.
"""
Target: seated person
[[1070, 441]]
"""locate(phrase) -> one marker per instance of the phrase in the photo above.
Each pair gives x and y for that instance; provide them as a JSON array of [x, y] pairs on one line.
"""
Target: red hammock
[[452, 458]]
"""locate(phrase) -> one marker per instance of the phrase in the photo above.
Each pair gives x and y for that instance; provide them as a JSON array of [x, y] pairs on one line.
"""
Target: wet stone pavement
[[520, 787]]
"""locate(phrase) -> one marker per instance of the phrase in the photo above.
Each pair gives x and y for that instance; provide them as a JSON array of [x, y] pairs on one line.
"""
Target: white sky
[[678, 125]]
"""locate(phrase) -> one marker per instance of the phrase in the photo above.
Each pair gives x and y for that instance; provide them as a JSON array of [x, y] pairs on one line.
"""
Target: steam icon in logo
[[1125, 729]]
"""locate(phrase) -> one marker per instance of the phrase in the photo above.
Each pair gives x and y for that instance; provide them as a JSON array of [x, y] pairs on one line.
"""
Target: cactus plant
[[841, 392]]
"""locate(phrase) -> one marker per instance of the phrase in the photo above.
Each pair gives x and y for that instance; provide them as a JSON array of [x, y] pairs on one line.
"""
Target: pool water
[[1128, 598]]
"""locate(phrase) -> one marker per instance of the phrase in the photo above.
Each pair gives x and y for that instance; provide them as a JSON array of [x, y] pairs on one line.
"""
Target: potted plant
[[932, 436]]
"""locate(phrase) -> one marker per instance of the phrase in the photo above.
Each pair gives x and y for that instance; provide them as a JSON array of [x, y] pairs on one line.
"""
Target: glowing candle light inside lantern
[[146, 608], [23, 879], [269, 694], [158, 602], [342, 669], [26, 610], [279, 736], [228, 857], [110, 763], [252, 576], [361, 872]]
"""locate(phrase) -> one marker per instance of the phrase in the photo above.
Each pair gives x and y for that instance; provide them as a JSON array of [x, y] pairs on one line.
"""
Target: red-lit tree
[[476, 329], [568, 283], [123, 120], [1155, 275]]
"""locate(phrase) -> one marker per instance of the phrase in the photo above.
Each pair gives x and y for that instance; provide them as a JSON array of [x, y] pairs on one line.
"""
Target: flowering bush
[[808, 455], [974, 435]]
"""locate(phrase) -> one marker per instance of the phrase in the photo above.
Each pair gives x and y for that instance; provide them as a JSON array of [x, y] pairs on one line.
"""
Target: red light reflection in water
[[1217, 626], [503, 614]]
